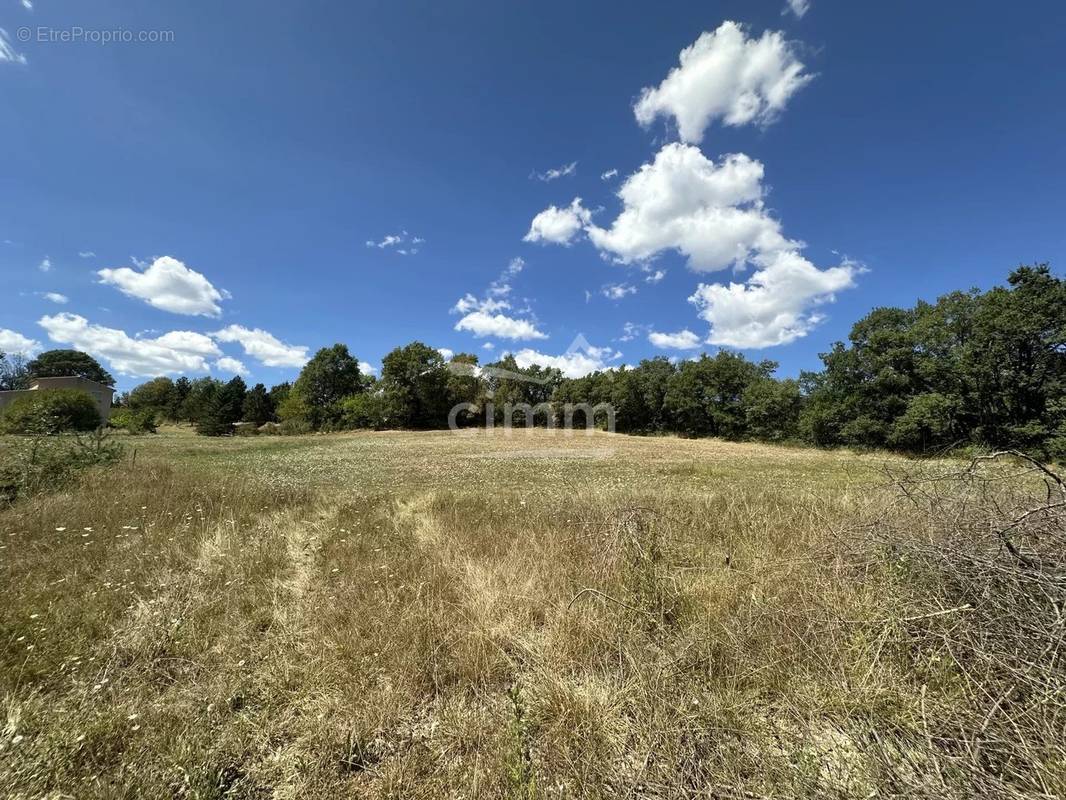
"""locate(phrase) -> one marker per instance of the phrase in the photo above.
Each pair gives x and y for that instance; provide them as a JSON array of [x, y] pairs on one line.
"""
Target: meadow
[[477, 614]]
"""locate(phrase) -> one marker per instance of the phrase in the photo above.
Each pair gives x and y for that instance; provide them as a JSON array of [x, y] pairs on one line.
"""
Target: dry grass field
[[535, 615]]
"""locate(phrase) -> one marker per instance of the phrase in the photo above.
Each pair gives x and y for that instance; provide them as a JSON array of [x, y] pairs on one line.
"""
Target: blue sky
[[215, 202]]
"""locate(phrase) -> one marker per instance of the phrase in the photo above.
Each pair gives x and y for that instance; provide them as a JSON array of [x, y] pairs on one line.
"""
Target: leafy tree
[[364, 410], [294, 413], [155, 396], [705, 397], [980, 367], [464, 386], [331, 375], [182, 388], [930, 421], [257, 406], [772, 409], [415, 382], [68, 363], [201, 394], [279, 393], [14, 373], [507, 383]]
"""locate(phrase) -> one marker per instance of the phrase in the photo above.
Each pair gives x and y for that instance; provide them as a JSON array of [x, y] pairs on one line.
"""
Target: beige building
[[99, 392]]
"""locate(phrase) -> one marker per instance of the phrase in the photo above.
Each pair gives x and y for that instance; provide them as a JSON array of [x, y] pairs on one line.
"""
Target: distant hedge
[[51, 411]]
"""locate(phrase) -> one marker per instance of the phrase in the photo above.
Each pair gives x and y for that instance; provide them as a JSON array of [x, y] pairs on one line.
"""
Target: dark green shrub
[[50, 411]]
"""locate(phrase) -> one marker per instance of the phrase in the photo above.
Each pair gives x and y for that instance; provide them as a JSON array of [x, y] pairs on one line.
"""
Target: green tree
[[182, 388], [222, 405], [67, 364], [201, 394], [772, 409], [330, 376], [414, 379], [464, 386], [14, 372], [705, 397], [365, 410], [257, 406], [279, 393], [155, 396]]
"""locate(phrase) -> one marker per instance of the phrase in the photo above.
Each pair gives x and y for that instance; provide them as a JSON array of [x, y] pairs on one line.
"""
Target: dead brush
[[980, 553], [632, 546]]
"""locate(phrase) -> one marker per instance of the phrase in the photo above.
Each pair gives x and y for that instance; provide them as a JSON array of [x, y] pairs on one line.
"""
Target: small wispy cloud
[[682, 340], [27, 4], [611, 173], [55, 297], [45, 265], [632, 330], [656, 276], [797, 7], [8, 54], [556, 173], [405, 244], [616, 291], [86, 254]]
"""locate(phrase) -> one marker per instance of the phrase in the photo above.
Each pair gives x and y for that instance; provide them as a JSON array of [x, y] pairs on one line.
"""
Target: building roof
[[67, 379]]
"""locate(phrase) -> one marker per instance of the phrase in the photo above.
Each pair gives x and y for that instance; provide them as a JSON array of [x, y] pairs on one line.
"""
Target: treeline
[[985, 368]]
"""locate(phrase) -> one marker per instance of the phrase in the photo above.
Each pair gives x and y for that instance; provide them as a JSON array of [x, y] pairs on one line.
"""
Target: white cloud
[[617, 291], [482, 323], [55, 297], [558, 225], [232, 365], [611, 173], [169, 285], [7, 52], [482, 316], [412, 244], [445, 353], [775, 305], [264, 346], [86, 254], [502, 285], [45, 265], [682, 340], [656, 276], [631, 331], [27, 4], [553, 174], [366, 368], [12, 342], [173, 352], [575, 363], [468, 303], [713, 214], [798, 7], [488, 346], [725, 76]]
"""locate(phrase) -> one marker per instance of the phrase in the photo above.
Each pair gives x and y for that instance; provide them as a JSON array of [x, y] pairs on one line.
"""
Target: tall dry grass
[[715, 629]]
